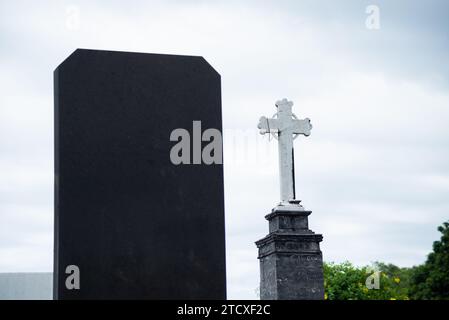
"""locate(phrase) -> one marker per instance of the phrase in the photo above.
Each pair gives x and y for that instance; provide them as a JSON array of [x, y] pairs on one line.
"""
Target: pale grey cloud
[[374, 171]]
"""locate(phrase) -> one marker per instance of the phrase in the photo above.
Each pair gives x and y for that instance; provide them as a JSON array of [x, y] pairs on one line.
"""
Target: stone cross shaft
[[285, 127]]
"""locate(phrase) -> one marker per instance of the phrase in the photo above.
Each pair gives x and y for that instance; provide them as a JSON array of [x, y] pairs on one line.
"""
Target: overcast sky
[[375, 170]]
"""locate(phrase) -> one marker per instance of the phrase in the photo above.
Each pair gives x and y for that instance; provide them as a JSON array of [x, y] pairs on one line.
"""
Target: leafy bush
[[378, 282], [428, 281]]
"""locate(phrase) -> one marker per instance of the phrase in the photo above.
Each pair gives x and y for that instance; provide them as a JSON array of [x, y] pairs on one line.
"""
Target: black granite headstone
[[136, 225]]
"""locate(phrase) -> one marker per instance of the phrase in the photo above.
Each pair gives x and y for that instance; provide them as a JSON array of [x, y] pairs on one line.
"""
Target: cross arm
[[268, 125], [301, 126]]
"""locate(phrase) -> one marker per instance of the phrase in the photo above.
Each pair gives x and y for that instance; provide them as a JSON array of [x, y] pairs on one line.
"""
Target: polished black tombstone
[[136, 225]]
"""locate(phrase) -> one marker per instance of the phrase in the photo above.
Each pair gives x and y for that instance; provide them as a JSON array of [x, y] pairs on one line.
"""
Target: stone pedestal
[[291, 263]]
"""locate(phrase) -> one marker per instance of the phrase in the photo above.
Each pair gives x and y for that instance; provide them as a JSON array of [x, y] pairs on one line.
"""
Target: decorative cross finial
[[285, 127], [284, 103]]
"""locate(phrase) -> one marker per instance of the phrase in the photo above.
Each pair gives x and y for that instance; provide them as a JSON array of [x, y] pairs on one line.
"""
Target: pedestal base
[[291, 263]]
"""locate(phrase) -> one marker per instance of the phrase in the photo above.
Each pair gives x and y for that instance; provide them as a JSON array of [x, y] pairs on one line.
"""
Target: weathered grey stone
[[291, 263], [26, 286]]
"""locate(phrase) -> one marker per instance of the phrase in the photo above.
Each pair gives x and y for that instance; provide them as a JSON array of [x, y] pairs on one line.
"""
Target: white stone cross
[[285, 127]]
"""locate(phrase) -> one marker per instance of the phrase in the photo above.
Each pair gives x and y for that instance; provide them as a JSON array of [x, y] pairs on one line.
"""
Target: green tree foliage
[[378, 282], [430, 281]]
